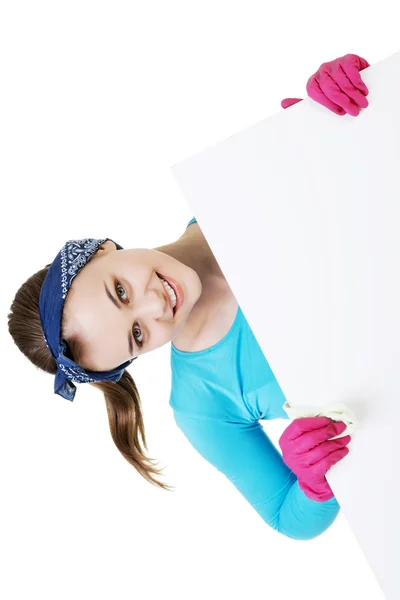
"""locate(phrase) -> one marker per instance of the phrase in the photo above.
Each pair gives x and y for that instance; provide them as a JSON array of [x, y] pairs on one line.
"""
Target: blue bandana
[[69, 261]]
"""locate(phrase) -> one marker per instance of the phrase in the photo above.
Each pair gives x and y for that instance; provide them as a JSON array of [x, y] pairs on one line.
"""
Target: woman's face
[[133, 317]]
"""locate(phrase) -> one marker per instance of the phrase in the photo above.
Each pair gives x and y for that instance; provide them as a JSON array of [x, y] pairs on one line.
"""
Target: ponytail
[[122, 398], [126, 424]]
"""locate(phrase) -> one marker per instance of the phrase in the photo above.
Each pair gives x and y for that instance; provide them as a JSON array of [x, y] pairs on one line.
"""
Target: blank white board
[[302, 212]]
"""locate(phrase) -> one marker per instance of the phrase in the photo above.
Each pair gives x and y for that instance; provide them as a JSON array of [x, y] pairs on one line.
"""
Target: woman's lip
[[178, 292]]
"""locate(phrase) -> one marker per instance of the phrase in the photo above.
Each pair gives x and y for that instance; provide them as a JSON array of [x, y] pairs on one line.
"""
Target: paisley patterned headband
[[73, 256]]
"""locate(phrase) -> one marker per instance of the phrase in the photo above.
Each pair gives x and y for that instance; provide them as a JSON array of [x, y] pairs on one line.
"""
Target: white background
[[97, 101]]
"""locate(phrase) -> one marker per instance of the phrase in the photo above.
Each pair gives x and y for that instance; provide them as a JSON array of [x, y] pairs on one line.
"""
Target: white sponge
[[337, 412]]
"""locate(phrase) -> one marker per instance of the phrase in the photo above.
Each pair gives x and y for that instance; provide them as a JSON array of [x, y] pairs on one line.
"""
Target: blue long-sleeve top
[[218, 397]]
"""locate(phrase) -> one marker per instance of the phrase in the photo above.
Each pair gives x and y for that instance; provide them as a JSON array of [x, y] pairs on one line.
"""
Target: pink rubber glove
[[337, 85], [308, 453]]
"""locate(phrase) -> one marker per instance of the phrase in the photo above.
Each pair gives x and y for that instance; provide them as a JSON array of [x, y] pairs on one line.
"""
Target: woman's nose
[[155, 304]]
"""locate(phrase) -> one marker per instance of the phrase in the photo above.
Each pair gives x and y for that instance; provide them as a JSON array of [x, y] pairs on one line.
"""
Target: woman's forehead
[[90, 313]]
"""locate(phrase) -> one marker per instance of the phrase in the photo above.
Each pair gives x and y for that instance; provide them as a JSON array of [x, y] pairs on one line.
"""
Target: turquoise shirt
[[218, 397]]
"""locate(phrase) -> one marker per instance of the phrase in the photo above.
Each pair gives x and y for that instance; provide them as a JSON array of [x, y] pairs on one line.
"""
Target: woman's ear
[[106, 247]]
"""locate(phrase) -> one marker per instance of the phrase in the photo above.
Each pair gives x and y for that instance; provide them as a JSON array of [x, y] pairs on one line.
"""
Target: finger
[[315, 92], [362, 63], [354, 77], [314, 439], [319, 469], [344, 83], [333, 92], [352, 65], [303, 424], [323, 450], [286, 102], [320, 452]]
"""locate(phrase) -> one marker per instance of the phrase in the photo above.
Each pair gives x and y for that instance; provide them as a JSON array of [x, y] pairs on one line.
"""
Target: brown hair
[[122, 398]]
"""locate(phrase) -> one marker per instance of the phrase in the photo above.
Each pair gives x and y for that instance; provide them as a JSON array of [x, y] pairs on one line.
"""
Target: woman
[[97, 307]]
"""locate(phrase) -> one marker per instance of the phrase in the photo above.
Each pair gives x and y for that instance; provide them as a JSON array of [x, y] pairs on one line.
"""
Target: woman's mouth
[[177, 291]]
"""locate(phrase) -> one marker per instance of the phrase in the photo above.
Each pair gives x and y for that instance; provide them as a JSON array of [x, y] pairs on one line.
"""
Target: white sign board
[[302, 212]]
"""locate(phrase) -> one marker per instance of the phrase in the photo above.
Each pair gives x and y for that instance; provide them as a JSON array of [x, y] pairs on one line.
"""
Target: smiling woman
[[116, 308]]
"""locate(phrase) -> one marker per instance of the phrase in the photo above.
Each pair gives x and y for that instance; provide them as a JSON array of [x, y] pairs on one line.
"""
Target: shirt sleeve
[[246, 456]]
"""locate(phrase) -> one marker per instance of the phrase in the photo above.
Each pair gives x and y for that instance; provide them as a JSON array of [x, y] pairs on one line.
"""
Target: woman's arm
[[246, 456]]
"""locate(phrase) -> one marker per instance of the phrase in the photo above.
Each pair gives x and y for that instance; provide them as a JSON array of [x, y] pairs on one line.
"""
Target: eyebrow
[[117, 304]]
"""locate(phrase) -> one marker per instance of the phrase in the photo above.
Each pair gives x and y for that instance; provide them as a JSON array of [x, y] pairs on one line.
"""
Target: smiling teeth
[[170, 292]]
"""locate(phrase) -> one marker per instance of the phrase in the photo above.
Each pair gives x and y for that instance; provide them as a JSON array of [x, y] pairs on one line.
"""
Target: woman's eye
[[140, 343], [119, 287]]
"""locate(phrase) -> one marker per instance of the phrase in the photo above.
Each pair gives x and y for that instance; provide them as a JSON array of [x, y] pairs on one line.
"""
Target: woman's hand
[[308, 453], [337, 85]]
